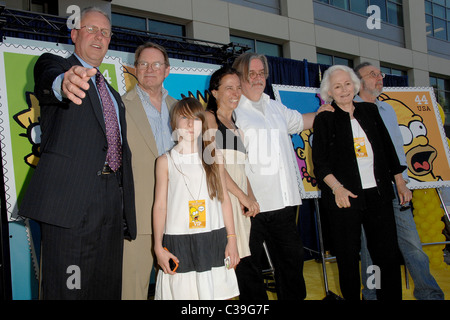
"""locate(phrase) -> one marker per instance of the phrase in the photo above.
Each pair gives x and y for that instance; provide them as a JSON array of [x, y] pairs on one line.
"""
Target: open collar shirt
[[271, 166], [159, 121], [57, 89]]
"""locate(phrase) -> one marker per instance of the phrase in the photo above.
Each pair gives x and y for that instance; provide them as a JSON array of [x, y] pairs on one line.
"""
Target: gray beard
[[375, 92]]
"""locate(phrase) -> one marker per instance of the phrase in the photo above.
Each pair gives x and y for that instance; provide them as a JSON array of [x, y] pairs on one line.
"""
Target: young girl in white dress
[[192, 216]]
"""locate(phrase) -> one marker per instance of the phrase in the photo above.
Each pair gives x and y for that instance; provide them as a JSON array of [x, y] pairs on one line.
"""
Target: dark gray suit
[[81, 211]]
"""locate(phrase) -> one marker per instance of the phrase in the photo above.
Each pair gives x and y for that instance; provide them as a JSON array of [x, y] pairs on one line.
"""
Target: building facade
[[402, 37]]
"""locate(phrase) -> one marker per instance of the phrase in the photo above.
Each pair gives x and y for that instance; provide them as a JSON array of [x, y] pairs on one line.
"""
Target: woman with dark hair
[[225, 88]]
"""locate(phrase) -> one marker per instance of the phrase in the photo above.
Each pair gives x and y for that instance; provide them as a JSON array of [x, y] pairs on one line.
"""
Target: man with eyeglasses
[[149, 135], [416, 260], [82, 191], [274, 175]]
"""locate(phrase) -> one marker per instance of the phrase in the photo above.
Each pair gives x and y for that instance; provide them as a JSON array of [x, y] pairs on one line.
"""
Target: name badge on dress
[[197, 214]]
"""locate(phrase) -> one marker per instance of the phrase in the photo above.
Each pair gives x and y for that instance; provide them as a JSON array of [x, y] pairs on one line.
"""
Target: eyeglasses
[[94, 29], [375, 75], [144, 65], [253, 75]]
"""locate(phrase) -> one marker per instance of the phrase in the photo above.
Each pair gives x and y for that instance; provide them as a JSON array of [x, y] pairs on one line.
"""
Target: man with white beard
[[416, 260], [274, 175]]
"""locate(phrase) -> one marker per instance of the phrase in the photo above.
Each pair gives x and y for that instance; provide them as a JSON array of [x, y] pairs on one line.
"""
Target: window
[[340, 4], [392, 71], [440, 29], [122, 20], [437, 19], [325, 59], [383, 8], [395, 13], [332, 60], [266, 48], [271, 6], [442, 91], [429, 25], [269, 49], [44, 6], [165, 28], [145, 24], [391, 10], [359, 6]]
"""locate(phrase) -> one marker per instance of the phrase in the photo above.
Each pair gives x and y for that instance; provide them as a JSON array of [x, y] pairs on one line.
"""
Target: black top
[[226, 138], [333, 152]]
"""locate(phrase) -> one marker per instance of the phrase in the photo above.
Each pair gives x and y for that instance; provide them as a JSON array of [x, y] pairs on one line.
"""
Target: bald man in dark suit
[[82, 191]]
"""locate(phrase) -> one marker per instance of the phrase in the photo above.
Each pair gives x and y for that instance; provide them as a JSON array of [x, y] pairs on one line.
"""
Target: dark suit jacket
[[333, 152], [73, 151]]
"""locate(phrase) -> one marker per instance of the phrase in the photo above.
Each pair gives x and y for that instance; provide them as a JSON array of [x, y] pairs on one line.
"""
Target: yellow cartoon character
[[420, 155], [197, 214], [29, 119], [303, 149], [194, 214], [360, 147]]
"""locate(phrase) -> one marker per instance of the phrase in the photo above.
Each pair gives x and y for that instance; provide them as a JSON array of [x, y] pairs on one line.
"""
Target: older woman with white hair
[[356, 163]]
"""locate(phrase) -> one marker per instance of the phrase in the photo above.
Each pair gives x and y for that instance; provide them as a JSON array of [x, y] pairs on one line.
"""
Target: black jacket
[[333, 152]]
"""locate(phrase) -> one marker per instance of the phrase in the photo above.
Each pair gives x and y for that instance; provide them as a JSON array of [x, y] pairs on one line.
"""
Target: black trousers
[[378, 221], [279, 230], [85, 262]]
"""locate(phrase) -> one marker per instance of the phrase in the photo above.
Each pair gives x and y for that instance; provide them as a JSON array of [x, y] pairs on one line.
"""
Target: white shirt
[[364, 155], [271, 165]]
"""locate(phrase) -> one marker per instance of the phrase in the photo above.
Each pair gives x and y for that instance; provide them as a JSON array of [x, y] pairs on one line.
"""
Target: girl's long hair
[[192, 108]]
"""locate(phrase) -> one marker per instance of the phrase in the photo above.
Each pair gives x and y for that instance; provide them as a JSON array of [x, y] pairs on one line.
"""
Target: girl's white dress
[[196, 235]]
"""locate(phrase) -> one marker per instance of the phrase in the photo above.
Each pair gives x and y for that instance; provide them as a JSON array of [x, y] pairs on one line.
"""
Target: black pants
[[279, 230], [85, 262], [378, 221]]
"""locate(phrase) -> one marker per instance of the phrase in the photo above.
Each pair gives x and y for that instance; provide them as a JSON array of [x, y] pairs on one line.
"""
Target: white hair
[[325, 84]]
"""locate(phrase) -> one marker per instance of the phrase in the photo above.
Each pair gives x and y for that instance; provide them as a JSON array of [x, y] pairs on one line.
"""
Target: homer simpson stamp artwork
[[421, 122]]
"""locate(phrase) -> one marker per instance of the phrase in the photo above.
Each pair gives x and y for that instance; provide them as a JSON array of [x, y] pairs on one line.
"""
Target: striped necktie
[[114, 155]]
